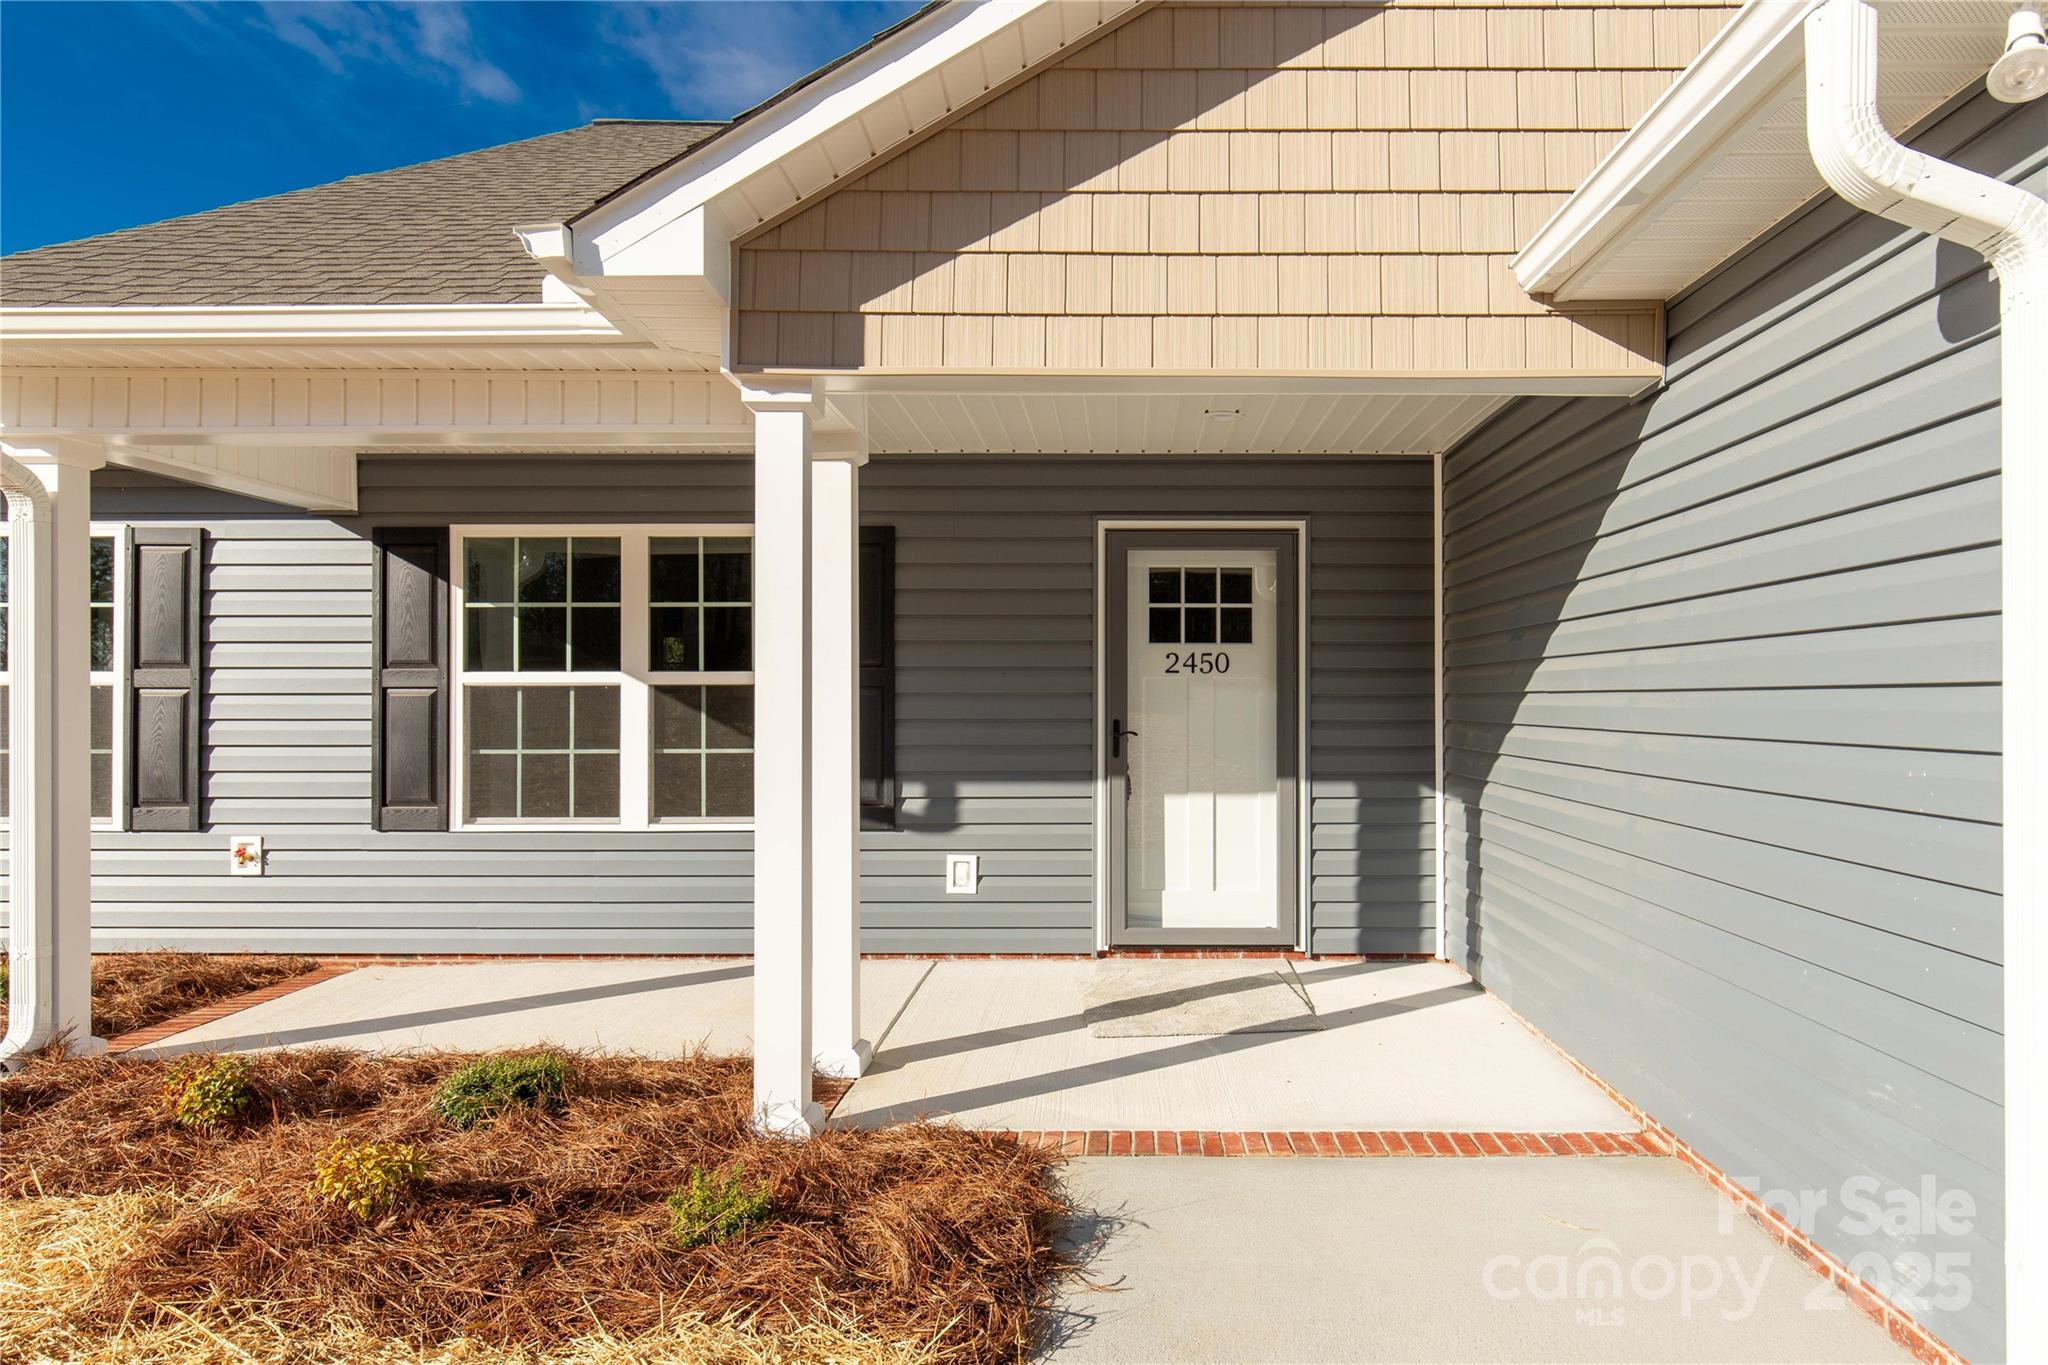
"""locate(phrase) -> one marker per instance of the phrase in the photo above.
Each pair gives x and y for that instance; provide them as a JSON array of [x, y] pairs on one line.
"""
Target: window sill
[[604, 827]]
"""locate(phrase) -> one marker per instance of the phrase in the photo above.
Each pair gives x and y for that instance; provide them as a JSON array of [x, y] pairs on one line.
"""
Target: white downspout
[[32, 910], [1864, 164]]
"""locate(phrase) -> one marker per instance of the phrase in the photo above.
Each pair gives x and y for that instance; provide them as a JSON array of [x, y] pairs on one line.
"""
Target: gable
[[1298, 187]]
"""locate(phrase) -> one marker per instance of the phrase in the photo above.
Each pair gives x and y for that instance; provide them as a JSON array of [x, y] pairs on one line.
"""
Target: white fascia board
[[1749, 62], [408, 324], [841, 386], [629, 235]]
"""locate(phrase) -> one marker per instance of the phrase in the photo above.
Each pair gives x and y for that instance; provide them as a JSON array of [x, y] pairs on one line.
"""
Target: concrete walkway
[[1610, 1259], [1001, 1044], [653, 1007], [1407, 1045]]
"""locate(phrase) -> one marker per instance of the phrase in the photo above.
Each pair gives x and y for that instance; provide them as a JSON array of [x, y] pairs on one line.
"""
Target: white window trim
[[114, 677], [634, 679]]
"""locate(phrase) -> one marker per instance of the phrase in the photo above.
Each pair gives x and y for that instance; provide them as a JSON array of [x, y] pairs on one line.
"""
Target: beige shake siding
[[1295, 187]]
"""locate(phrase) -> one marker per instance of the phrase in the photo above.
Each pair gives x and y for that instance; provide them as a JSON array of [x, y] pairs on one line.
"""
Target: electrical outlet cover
[[245, 855]]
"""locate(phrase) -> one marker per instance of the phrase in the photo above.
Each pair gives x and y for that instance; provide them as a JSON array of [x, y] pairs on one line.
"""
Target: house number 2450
[[1206, 661]]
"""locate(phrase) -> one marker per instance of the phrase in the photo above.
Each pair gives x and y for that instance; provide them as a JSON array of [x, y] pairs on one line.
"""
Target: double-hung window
[[604, 675], [103, 742]]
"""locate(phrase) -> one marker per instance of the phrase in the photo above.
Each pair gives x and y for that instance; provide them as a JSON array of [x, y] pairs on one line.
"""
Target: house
[[1387, 479]]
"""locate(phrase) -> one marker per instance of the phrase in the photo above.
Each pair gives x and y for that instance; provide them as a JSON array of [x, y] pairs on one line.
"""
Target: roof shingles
[[438, 232]]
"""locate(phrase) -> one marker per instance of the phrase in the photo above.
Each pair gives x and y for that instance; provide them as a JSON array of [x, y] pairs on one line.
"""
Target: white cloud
[[430, 39], [715, 59]]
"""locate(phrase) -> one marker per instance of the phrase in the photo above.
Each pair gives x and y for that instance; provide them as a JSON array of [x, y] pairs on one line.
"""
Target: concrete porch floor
[[1001, 1044]]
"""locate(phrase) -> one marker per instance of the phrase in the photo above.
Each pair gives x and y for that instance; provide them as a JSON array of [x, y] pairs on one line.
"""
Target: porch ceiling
[[1220, 415]]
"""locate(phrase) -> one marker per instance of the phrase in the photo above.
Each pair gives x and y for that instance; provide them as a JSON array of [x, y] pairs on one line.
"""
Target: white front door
[[1201, 740]]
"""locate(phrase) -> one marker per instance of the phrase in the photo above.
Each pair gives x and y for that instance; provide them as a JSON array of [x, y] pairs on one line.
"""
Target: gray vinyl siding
[[1722, 720], [994, 726]]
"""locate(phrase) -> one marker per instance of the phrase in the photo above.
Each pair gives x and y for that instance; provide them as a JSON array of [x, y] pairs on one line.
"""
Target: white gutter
[[1745, 65], [403, 324], [1864, 164]]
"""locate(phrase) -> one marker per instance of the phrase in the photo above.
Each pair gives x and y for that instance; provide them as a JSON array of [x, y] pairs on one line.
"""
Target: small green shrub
[[368, 1178], [210, 1093], [716, 1207], [489, 1086]]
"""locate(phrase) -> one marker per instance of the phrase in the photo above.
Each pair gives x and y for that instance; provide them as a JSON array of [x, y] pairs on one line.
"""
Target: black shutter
[[878, 677], [167, 676], [409, 696]]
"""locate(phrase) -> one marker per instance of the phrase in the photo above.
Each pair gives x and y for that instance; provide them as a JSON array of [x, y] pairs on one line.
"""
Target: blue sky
[[113, 114]]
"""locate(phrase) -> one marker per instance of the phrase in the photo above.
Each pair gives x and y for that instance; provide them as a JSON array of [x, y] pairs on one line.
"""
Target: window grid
[[713, 732], [634, 678], [1201, 605], [513, 621], [105, 552], [666, 610], [520, 751], [104, 721]]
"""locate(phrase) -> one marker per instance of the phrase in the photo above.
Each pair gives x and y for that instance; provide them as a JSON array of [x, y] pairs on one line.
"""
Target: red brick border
[[1262, 954], [220, 1009], [1333, 1142], [1899, 1325]]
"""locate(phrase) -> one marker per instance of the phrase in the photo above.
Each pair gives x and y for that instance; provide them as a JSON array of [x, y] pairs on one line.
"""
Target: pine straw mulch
[[535, 1237], [132, 991]]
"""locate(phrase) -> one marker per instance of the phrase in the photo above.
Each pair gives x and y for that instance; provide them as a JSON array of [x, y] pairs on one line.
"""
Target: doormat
[[1168, 999]]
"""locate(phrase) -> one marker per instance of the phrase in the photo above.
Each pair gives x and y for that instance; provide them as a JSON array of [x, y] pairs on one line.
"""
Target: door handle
[[1117, 736]]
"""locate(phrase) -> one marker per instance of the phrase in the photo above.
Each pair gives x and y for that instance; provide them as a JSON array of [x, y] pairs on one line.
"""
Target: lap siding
[[995, 677], [1722, 720]]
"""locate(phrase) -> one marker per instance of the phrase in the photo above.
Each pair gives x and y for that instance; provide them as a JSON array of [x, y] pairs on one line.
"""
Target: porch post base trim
[[796, 1122], [847, 1064]]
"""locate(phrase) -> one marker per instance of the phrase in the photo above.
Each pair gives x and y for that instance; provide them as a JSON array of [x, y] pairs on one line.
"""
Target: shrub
[[490, 1085], [368, 1178], [210, 1093], [716, 1207]]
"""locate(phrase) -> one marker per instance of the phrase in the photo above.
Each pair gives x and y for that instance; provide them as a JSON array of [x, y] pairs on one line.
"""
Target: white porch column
[[49, 494], [782, 764], [835, 761]]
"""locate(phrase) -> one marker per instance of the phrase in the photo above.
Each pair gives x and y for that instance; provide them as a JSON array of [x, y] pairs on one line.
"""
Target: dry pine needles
[[133, 991], [533, 1235]]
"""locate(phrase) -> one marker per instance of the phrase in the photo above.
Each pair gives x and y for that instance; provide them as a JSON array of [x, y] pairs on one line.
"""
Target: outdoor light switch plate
[[963, 873], [245, 855]]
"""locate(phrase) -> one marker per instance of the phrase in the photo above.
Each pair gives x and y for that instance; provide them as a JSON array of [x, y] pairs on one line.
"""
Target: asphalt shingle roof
[[438, 232]]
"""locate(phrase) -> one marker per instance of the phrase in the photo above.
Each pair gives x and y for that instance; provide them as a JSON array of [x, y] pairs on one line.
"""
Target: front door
[[1200, 737]]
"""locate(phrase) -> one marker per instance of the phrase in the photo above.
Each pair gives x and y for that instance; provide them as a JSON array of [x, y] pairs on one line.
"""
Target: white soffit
[[1106, 422], [1722, 156]]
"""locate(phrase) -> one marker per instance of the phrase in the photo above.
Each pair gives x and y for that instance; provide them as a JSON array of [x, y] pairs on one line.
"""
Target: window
[[105, 574], [103, 748], [605, 675], [1199, 606]]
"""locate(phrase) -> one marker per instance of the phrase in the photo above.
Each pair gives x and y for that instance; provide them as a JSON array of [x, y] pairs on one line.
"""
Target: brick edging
[[1907, 1333], [1335, 1142], [220, 1009]]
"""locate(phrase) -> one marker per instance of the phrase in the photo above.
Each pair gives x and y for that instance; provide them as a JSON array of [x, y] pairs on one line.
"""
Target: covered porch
[[806, 444]]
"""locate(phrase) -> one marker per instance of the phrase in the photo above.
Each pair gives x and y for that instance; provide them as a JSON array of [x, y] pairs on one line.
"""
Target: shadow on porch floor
[[1004, 1044]]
